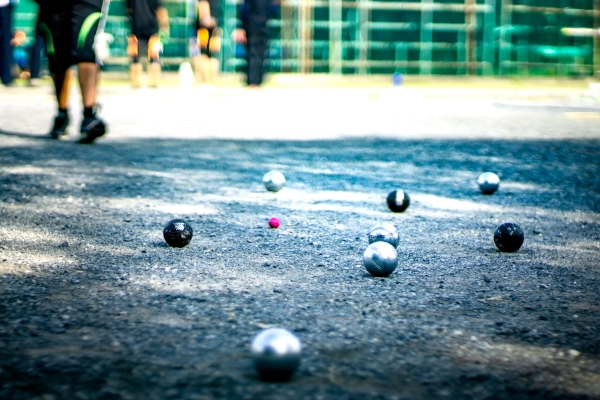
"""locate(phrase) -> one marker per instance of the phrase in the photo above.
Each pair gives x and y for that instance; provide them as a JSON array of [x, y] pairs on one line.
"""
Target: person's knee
[[209, 41], [203, 40], [214, 45], [155, 48], [132, 48]]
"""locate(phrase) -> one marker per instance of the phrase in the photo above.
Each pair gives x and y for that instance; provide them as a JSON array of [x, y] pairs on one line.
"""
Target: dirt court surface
[[94, 304]]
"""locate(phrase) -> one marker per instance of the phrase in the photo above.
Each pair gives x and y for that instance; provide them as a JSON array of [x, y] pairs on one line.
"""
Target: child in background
[[21, 67]]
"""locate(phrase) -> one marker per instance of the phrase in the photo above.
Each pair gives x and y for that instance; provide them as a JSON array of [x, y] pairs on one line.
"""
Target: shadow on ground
[[94, 305]]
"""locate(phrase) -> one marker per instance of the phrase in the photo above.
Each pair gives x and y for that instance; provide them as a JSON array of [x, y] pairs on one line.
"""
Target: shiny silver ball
[[384, 233], [276, 353], [488, 182], [273, 181], [380, 259]]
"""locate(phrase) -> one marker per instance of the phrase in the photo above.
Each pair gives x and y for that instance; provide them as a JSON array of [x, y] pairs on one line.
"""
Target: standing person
[[5, 41], [254, 15], [70, 28], [149, 28], [208, 36]]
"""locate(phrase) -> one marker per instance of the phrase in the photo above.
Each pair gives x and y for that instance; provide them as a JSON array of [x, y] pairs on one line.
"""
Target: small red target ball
[[274, 222]]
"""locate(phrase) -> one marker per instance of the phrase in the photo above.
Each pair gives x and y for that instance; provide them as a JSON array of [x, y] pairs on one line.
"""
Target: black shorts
[[70, 27], [143, 16], [143, 49]]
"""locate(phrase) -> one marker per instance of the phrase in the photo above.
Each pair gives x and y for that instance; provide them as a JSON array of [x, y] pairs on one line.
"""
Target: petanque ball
[[178, 233], [398, 200], [274, 222], [509, 237], [488, 182], [384, 232], [273, 181], [380, 259], [276, 354]]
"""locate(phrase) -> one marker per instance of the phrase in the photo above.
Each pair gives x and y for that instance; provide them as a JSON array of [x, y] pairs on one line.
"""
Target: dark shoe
[[61, 121], [91, 129]]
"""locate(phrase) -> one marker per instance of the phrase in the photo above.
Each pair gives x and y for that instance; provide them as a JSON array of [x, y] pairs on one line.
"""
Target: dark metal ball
[[380, 259], [276, 353], [509, 237], [178, 233], [384, 233], [488, 182], [398, 200]]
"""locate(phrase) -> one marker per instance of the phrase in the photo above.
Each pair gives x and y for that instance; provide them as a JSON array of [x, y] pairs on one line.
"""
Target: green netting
[[453, 37]]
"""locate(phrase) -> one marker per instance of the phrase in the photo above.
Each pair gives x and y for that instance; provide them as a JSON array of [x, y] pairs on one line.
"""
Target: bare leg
[[88, 81], [196, 62], [92, 127], [215, 48], [61, 87], [215, 65], [205, 69], [62, 82], [154, 72], [135, 73]]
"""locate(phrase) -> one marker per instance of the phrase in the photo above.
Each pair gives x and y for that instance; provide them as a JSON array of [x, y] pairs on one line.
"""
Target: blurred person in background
[[27, 55], [253, 32], [70, 28], [20, 55], [6, 35], [208, 41], [149, 30], [36, 54]]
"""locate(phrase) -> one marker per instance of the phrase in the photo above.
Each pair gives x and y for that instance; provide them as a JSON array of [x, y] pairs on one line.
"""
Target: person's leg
[[54, 25], [92, 127], [210, 49], [214, 53], [88, 76], [203, 62], [135, 70], [195, 56], [87, 19], [209, 40], [155, 67], [257, 40], [5, 48], [62, 82], [205, 24]]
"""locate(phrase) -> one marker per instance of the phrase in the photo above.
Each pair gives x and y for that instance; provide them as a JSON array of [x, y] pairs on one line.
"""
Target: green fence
[[450, 37]]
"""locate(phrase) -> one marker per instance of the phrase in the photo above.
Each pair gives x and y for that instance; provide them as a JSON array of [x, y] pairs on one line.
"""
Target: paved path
[[289, 110]]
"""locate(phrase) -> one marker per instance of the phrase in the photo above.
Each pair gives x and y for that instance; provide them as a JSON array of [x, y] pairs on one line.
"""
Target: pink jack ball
[[274, 222]]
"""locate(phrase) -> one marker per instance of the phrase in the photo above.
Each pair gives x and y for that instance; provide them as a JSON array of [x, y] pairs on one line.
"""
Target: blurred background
[[365, 37]]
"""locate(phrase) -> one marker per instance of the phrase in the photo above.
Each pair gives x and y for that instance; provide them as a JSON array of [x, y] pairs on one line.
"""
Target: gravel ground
[[94, 305]]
